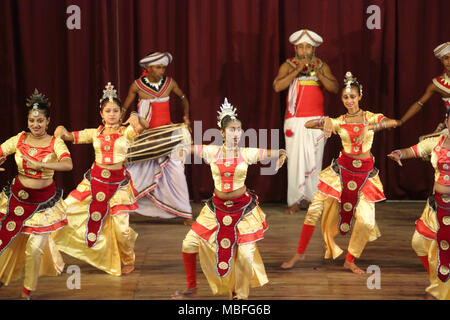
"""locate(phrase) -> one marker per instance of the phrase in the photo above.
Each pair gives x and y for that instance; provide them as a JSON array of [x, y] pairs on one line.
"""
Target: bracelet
[[319, 121], [420, 103], [182, 97], [398, 152], [322, 120]]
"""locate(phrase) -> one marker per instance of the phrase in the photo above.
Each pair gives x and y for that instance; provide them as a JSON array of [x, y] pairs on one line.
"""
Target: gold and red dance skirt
[[348, 189], [98, 213], [25, 214], [225, 235], [432, 239]]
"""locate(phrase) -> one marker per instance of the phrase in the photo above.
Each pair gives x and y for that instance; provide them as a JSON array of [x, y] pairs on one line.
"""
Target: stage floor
[[159, 267]]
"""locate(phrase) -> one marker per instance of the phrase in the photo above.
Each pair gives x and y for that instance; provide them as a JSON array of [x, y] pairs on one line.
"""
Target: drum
[[158, 142]]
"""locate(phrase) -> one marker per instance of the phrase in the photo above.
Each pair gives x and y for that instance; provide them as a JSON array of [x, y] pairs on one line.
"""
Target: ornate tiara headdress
[[349, 80], [109, 93], [35, 99], [226, 109]]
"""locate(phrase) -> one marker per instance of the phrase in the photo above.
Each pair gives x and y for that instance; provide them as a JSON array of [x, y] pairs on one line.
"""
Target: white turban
[[442, 49], [156, 58], [307, 36]]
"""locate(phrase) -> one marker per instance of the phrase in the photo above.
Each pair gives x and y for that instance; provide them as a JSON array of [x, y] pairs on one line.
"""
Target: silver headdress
[[35, 99], [226, 109], [109, 93], [349, 80]]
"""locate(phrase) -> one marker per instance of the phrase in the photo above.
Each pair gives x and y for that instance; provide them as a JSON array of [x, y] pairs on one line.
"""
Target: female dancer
[[350, 186], [32, 208], [432, 235], [230, 223], [98, 230]]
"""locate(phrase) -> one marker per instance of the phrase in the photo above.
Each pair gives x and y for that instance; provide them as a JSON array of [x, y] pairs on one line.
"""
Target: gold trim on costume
[[105, 173], [10, 226], [100, 196], [357, 163], [23, 194], [446, 220], [18, 211], [348, 206], [308, 83], [228, 203], [352, 185], [96, 216], [444, 270], [225, 243], [227, 220], [345, 227], [91, 236], [223, 265], [32, 152]]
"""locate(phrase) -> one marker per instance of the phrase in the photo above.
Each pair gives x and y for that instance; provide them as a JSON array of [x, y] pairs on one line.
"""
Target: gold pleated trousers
[[424, 246], [247, 268], [31, 255], [365, 228], [115, 244]]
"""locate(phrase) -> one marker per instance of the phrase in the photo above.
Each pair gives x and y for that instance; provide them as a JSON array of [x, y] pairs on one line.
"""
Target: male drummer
[[161, 182]]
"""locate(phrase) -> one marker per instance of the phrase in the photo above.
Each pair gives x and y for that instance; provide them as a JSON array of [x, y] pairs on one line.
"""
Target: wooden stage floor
[[159, 268]]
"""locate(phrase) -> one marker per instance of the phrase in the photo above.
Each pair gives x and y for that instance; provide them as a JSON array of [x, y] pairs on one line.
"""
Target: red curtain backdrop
[[223, 48]]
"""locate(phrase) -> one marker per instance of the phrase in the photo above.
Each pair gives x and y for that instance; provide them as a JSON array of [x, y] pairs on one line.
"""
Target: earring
[[103, 121]]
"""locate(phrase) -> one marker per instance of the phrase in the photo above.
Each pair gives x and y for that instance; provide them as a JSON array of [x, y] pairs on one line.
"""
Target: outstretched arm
[[63, 133], [385, 123], [417, 106], [406, 153], [323, 123], [279, 153]]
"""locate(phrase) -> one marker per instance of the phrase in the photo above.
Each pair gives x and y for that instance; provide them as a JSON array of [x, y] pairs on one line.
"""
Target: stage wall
[[223, 48]]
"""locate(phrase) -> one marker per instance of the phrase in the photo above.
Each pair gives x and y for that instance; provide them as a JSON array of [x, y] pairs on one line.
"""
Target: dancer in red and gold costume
[[432, 235], [98, 209], [160, 181], [350, 186], [306, 76], [439, 85], [226, 230], [32, 208]]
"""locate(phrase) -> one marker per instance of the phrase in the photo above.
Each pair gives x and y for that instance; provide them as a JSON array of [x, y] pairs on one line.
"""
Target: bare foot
[[127, 269], [235, 296], [304, 205], [292, 209], [353, 267], [188, 222], [296, 258], [186, 294]]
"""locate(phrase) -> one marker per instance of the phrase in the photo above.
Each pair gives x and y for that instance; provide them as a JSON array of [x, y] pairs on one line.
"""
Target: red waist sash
[[443, 235], [22, 204], [354, 174], [160, 114], [228, 213], [309, 102], [104, 184]]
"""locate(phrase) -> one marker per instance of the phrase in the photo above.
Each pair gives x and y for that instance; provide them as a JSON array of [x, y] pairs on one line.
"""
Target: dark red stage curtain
[[223, 48]]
